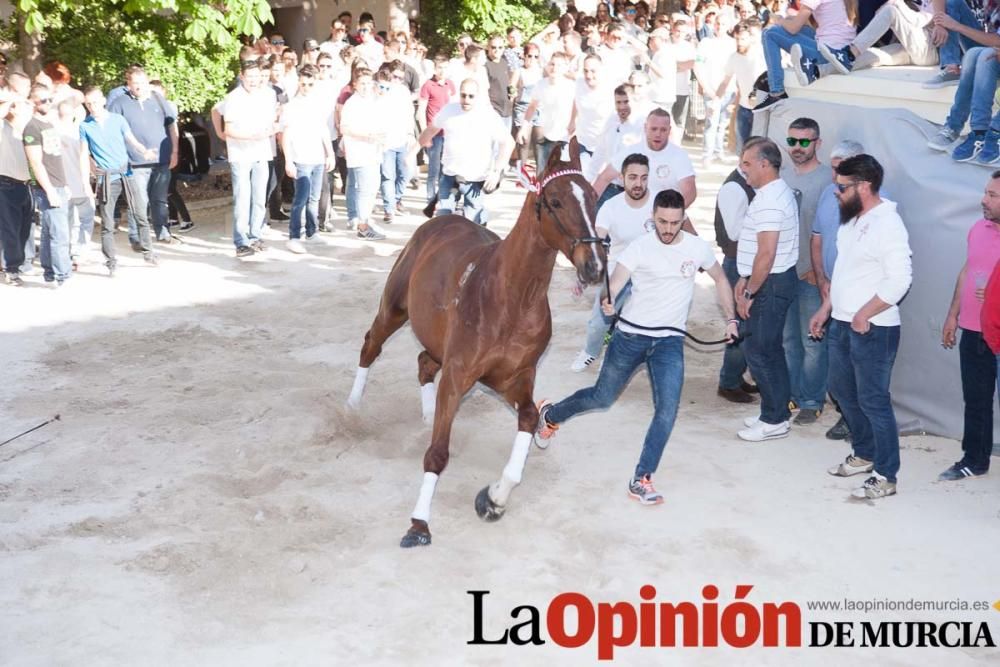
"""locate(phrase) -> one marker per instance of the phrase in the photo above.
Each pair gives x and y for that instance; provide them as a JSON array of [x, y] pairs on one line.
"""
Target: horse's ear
[[574, 152], [555, 157]]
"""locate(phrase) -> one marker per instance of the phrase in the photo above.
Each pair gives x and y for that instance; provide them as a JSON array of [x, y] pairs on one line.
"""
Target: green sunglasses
[[791, 141]]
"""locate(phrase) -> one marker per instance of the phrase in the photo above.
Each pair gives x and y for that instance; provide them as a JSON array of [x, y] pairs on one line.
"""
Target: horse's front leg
[[491, 501], [451, 389]]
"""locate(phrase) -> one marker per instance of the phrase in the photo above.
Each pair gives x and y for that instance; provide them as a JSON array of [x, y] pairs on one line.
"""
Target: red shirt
[[437, 94], [990, 317]]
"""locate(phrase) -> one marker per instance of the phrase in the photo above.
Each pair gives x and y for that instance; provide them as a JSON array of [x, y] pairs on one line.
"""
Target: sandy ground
[[206, 500]]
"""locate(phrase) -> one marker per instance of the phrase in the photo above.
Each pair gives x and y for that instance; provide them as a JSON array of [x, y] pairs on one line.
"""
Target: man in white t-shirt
[[624, 128], [873, 274], [662, 66], [765, 258], [552, 100], [397, 109], [305, 141], [709, 70], [593, 105], [622, 219], [328, 86], [250, 113], [662, 267], [476, 146], [743, 67], [669, 165], [363, 135], [684, 54], [616, 54]]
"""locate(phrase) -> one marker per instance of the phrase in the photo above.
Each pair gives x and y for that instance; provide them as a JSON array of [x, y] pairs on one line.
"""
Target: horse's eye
[[555, 203]]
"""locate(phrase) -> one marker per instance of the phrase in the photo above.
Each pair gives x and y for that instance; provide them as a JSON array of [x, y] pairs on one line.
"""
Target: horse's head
[[565, 205]]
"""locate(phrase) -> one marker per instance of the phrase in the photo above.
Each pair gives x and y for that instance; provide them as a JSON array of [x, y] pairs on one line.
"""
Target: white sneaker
[[582, 362], [312, 240], [852, 465], [761, 431], [875, 487], [749, 422], [295, 245]]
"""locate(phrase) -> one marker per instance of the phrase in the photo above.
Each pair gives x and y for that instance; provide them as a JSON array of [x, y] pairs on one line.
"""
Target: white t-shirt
[[326, 92], [554, 107], [617, 64], [662, 281], [834, 27], [664, 88], [397, 109], [372, 52], [744, 68], [710, 65], [362, 115], [667, 166], [624, 223], [873, 258], [773, 209], [614, 137], [593, 108], [683, 52], [249, 113], [470, 140], [302, 123]]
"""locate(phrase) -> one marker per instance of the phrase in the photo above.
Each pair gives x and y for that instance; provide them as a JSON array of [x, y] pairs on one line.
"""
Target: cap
[[310, 45]]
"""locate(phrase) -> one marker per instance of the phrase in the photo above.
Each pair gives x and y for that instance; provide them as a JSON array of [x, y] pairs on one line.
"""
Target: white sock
[[422, 510]]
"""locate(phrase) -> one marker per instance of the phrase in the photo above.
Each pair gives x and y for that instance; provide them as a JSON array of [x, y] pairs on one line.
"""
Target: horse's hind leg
[[389, 319], [491, 501], [427, 369]]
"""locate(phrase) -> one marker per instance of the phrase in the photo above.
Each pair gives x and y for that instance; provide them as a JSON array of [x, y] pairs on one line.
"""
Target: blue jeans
[[860, 373], [362, 185], [734, 362], [979, 378], [55, 259], [598, 324], [305, 203], [716, 125], [434, 166], [664, 359], [976, 88], [950, 53], [775, 40], [81, 220], [154, 184], [763, 349], [394, 178], [468, 195], [15, 223], [744, 127], [249, 198], [805, 356]]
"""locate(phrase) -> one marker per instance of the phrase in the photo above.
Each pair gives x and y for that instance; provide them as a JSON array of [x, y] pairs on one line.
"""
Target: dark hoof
[[415, 538], [486, 508], [419, 535]]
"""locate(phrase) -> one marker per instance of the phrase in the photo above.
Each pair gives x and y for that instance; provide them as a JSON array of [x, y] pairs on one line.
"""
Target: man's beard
[[642, 193], [850, 209]]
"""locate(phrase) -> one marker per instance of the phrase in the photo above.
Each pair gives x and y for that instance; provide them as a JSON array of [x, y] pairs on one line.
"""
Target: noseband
[[540, 201]]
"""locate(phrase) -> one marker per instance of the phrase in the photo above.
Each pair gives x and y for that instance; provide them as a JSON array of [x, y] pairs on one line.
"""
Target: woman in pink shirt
[[794, 35]]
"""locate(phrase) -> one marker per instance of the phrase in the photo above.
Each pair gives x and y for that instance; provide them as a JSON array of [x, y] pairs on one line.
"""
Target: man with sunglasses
[[338, 39], [277, 44], [805, 355], [368, 47], [872, 275], [476, 147]]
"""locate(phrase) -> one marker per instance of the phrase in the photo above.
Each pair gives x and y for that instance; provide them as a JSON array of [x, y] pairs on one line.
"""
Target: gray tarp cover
[[939, 200]]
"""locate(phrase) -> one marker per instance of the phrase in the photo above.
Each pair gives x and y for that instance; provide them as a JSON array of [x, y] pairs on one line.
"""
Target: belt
[[11, 181]]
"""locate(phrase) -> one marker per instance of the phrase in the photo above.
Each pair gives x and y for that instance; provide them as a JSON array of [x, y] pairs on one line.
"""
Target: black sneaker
[[185, 227], [839, 431], [279, 215], [771, 100], [958, 471], [244, 251], [136, 246], [806, 417], [429, 209]]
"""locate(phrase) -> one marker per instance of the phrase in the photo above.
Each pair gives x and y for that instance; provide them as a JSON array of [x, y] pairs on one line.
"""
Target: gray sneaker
[[875, 487], [369, 233], [944, 140], [641, 488], [943, 78], [852, 465]]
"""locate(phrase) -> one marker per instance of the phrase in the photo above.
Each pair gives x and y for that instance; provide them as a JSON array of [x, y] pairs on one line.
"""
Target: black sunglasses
[[791, 141], [278, 42], [468, 96], [842, 187]]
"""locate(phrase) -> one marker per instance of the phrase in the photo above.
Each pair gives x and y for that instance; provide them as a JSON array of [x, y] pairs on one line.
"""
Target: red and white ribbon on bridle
[[531, 183]]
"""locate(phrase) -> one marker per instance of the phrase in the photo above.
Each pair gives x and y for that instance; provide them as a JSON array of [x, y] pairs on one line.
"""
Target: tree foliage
[[190, 46], [442, 21]]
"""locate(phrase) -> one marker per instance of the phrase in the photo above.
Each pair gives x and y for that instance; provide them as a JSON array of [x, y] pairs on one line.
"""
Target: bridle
[[539, 189]]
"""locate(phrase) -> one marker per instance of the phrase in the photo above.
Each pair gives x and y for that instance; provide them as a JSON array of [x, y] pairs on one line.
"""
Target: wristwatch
[[748, 295]]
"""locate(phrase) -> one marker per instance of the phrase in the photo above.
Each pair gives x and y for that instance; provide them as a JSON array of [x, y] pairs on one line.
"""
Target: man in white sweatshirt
[[873, 274]]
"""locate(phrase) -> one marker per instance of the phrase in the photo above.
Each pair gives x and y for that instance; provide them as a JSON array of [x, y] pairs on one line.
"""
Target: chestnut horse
[[479, 307]]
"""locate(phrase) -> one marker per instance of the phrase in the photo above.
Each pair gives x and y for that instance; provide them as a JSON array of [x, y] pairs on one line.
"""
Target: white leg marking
[[360, 379], [500, 491], [428, 399], [578, 192], [422, 510]]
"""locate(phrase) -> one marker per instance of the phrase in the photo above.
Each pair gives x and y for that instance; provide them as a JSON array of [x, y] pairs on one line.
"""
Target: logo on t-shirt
[[687, 268], [649, 225], [663, 171]]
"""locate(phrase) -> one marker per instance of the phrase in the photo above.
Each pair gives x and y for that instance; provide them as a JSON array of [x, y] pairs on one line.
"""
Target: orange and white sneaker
[[546, 429], [641, 488]]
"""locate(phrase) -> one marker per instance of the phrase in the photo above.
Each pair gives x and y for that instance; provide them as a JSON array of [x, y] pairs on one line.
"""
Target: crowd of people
[[356, 112]]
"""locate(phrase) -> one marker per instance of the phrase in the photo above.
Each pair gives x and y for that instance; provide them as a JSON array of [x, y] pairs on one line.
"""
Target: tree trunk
[[30, 46]]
